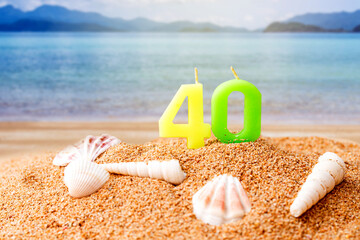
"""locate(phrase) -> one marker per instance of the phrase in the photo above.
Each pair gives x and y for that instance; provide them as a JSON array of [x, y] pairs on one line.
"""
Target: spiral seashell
[[87, 149], [327, 173], [169, 171], [222, 200], [330, 156], [83, 178]]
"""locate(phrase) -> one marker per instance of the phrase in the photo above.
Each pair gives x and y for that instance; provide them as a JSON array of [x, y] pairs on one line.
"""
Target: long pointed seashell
[[222, 200], [330, 156], [84, 178], [87, 149], [169, 171], [327, 173]]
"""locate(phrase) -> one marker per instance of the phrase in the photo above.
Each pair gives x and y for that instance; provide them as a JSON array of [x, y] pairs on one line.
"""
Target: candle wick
[[235, 74], [196, 76]]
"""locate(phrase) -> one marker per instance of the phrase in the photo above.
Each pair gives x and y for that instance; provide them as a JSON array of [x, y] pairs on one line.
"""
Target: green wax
[[252, 112]]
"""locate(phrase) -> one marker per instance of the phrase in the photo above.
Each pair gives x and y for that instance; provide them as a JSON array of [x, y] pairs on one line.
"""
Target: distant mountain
[[9, 14], [60, 14], [296, 27], [49, 26], [357, 28], [340, 20], [53, 18], [186, 26]]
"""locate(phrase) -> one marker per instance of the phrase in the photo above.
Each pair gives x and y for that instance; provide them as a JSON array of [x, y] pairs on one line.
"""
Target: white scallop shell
[[84, 178], [222, 200], [169, 171], [87, 149]]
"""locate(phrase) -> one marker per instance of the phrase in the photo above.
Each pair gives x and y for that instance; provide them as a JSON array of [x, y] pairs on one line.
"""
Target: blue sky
[[241, 13]]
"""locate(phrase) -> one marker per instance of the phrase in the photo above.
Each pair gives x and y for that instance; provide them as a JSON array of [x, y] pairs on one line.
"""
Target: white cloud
[[27, 4], [150, 2], [287, 16], [249, 18], [166, 1]]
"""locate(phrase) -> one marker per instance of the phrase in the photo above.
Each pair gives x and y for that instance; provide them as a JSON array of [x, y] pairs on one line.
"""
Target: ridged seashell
[[83, 178], [327, 173], [169, 171], [330, 156], [87, 149], [222, 200]]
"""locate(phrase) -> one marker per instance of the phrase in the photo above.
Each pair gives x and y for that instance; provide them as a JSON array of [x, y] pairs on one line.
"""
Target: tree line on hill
[[299, 27]]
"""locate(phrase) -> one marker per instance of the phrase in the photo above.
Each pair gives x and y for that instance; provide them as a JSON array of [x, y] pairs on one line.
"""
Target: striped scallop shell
[[83, 178], [222, 200], [87, 149]]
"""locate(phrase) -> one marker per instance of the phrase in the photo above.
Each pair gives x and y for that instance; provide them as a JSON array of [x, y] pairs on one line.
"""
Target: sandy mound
[[35, 202]]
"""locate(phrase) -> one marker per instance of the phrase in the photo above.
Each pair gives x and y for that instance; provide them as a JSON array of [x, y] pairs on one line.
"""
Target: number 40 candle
[[196, 130]]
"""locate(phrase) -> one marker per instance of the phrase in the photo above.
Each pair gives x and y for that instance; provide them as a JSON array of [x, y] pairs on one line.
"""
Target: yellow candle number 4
[[195, 130]]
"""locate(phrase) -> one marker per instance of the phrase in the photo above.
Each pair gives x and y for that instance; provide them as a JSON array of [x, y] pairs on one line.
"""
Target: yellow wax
[[196, 130]]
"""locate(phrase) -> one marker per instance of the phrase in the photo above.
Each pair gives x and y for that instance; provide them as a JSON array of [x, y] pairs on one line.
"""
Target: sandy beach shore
[[26, 139], [35, 203], [271, 169]]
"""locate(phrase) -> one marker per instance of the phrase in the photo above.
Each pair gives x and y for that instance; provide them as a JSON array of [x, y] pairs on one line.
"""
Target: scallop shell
[[222, 200], [87, 149], [83, 178], [169, 171]]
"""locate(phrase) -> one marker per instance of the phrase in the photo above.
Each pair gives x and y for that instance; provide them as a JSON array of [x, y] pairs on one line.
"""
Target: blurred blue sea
[[303, 78]]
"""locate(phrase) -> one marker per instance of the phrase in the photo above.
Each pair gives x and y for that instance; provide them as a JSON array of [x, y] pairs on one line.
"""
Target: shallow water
[[303, 78]]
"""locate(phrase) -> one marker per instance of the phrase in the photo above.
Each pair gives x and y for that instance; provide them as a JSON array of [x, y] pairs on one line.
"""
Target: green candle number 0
[[252, 112]]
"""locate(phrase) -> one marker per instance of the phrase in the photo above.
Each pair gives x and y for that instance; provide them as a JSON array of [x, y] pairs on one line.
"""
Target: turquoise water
[[303, 78]]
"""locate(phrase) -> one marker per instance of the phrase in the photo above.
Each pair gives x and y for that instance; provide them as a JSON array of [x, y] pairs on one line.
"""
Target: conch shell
[[327, 173], [83, 178], [169, 171], [87, 149], [222, 200]]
